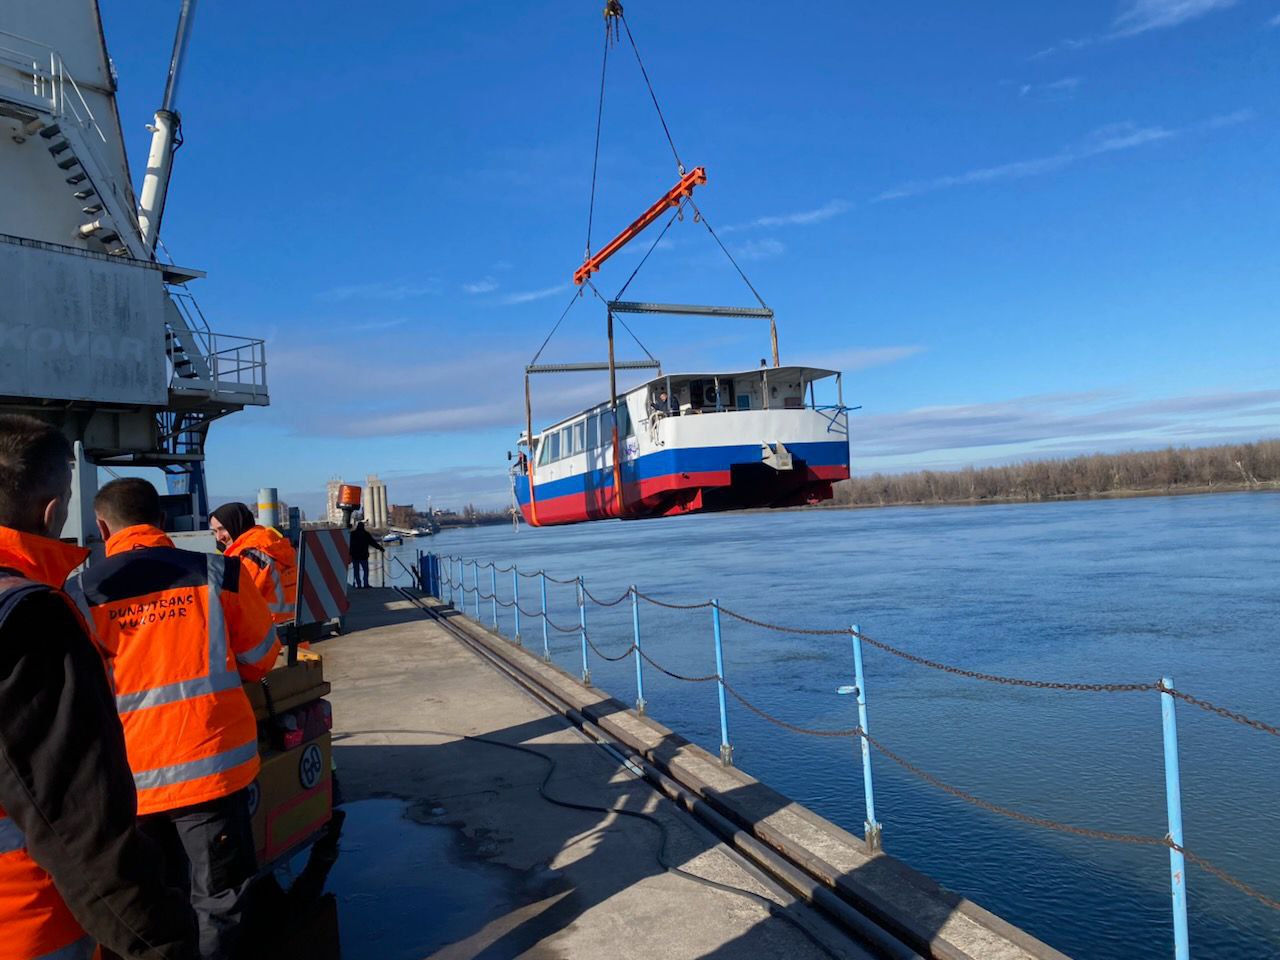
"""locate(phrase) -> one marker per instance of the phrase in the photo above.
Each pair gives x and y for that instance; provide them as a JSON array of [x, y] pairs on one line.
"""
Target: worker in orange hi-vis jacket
[[74, 868], [180, 632], [268, 556]]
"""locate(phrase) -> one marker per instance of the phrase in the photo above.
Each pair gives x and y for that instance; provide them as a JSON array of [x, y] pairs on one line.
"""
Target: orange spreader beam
[[695, 177]]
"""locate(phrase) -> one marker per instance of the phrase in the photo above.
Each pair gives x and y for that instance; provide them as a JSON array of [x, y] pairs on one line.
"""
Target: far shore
[[1175, 491]]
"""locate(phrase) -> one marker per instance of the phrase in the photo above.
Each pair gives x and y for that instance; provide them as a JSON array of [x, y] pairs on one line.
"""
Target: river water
[[1097, 591]]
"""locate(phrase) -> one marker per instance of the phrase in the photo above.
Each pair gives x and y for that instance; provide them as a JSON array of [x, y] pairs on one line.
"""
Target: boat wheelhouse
[[690, 442]]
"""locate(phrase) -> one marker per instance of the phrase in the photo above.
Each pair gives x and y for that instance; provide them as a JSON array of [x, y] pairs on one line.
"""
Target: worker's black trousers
[[209, 851]]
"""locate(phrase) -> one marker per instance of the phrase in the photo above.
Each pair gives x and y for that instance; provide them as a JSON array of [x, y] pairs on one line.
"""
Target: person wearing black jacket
[[361, 541], [74, 870]]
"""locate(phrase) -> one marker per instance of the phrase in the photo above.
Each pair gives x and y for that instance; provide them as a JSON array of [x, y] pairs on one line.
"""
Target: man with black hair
[[181, 631], [73, 867]]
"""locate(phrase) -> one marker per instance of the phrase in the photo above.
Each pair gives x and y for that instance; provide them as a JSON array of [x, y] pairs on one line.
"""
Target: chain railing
[[445, 578]]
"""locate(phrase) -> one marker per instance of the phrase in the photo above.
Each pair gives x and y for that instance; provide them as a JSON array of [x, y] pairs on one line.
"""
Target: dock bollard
[[515, 596], [1173, 799], [582, 622], [493, 589], [635, 638], [546, 640], [871, 826], [726, 751]]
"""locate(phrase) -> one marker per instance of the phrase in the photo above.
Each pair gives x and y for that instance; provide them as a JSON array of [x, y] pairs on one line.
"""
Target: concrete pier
[[510, 874], [578, 884]]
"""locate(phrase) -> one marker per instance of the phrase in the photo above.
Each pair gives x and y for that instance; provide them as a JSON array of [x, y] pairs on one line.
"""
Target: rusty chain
[[604, 656], [1220, 711], [559, 629], [531, 576], [601, 603], [1135, 839], [558, 580], [672, 606], [671, 673], [807, 731]]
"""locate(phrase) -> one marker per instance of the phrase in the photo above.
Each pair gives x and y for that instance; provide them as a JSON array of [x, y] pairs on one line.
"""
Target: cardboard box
[[290, 687], [292, 799]]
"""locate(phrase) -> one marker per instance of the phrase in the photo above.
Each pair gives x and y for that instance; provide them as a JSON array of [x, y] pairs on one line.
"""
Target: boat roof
[[808, 373]]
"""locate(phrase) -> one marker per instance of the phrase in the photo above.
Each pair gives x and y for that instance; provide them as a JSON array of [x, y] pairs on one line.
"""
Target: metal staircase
[[36, 90]]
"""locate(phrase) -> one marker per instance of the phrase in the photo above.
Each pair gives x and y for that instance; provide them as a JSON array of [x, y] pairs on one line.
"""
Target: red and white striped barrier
[[323, 558]]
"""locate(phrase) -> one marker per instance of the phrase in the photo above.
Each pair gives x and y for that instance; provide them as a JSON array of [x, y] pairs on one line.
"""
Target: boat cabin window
[[579, 430], [743, 401], [554, 446], [624, 421], [593, 432]]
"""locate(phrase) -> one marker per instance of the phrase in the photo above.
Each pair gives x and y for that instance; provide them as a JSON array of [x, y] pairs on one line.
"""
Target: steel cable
[[653, 96]]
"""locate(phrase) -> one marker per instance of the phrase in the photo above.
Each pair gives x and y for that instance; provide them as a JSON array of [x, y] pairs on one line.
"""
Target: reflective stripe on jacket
[[180, 632], [34, 919], [272, 563]]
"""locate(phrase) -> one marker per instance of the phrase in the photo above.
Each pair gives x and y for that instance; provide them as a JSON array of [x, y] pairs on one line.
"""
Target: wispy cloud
[[863, 358], [1139, 16], [1040, 425], [487, 285], [1053, 92], [1142, 16], [529, 296], [1107, 139], [1274, 21], [799, 218], [383, 290], [763, 249], [366, 325]]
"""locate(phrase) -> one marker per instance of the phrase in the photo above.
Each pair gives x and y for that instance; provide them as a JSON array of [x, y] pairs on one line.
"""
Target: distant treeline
[[1184, 469]]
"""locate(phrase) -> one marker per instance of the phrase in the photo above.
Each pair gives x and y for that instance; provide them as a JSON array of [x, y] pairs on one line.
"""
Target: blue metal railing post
[[635, 639], [546, 640], [582, 622], [515, 598], [726, 751], [871, 826], [475, 589], [493, 589], [449, 582], [1173, 799]]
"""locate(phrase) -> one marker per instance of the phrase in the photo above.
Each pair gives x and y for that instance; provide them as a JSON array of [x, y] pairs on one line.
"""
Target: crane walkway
[[454, 845]]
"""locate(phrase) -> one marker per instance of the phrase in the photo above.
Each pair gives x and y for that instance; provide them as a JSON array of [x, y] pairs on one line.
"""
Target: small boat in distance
[[690, 442]]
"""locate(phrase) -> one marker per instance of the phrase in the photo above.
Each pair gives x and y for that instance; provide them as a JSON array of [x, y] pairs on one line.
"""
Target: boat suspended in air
[[775, 436], [691, 442]]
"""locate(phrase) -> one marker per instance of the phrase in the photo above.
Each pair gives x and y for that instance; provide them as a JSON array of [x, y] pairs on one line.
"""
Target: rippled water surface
[[1100, 591]]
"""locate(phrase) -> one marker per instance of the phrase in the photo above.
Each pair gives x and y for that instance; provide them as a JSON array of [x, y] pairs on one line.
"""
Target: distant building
[[375, 502], [331, 512], [401, 515]]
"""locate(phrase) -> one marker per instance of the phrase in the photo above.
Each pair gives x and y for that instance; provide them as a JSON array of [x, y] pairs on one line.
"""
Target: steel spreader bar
[[689, 309], [586, 367]]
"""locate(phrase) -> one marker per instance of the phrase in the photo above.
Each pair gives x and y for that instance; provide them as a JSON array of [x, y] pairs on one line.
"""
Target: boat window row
[[593, 432]]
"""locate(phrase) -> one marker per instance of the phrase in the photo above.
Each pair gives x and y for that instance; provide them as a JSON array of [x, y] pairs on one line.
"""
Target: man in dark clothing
[[361, 541], [74, 870]]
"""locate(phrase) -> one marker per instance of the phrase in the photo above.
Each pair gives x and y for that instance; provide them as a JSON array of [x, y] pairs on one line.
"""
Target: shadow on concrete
[[564, 863]]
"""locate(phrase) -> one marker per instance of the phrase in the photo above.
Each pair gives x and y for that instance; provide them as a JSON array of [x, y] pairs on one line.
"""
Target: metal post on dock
[[726, 751], [635, 639], [871, 826], [582, 625], [515, 599], [475, 588], [493, 589], [546, 640], [1173, 799]]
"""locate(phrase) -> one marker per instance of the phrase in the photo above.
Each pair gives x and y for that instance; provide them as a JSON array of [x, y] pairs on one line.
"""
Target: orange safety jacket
[[180, 632], [273, 564], [35, 921]]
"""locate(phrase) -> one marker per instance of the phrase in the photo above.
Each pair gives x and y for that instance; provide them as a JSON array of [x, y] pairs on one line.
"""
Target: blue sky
[[1022, 230]]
